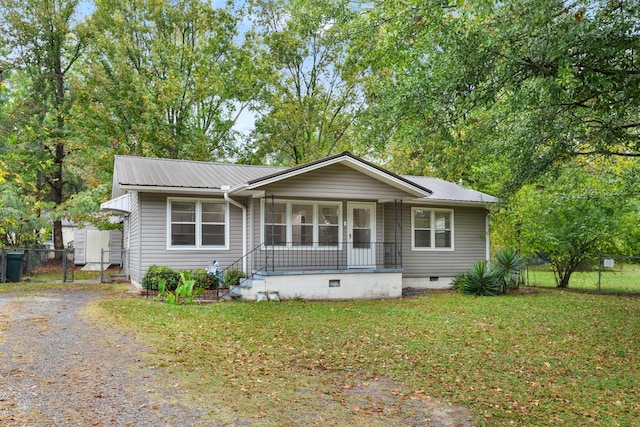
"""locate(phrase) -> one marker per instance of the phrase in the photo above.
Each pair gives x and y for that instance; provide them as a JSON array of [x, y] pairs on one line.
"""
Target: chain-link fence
[[599, 274], [114, 266], [37, 264], [43, 264]]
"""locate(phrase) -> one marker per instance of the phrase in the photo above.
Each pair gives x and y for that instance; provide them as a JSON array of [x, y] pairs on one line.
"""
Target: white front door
[[361, 235]]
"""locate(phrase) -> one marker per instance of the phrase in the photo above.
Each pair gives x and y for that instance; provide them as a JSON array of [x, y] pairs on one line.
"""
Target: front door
[[361, 235]]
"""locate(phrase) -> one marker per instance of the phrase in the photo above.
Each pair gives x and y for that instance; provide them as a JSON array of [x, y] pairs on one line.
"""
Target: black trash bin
[[14, 266]]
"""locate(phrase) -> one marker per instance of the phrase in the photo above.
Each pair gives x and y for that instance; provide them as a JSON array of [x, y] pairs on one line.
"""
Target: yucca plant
[[478, 280], [507, 268]]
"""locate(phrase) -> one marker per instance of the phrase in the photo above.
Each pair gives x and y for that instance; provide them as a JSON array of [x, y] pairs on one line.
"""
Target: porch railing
[[314, 255], [294, 256]]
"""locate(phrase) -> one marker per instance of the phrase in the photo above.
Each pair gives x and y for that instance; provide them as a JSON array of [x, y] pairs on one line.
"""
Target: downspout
[[127, 246], [244, 227], [488, 237]]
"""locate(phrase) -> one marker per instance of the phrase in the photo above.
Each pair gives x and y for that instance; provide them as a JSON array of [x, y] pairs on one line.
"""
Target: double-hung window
[[275, 224], [197, 224], [328, 224], [301, 224], [432, 229]]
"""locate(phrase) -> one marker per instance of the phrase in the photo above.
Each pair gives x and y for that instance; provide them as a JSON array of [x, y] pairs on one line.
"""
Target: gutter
[[244, 226]]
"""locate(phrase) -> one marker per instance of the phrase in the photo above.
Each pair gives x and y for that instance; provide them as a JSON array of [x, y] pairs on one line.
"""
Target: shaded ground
[[58, 368]]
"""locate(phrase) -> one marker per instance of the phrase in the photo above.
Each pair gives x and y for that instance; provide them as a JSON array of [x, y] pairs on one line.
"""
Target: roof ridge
[[199, 161]]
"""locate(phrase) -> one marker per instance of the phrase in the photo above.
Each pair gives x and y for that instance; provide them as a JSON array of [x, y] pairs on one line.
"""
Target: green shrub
[[507, 269], [232, 277], [204, 280], [183, 294], [156, 273], [504, 273], [478, 280], [458, 282]]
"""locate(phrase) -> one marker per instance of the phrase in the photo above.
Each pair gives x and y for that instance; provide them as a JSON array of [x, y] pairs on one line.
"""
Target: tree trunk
[[58, 243], [564, 278]]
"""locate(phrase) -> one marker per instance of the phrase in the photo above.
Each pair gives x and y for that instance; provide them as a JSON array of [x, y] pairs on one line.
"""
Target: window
[[328, 225], [213, 224], [432, 229], [275, 224], [301, 224], [197, 223], [183, 224]]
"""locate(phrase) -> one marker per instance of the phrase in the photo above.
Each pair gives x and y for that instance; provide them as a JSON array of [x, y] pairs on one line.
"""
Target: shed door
[[361, 235]]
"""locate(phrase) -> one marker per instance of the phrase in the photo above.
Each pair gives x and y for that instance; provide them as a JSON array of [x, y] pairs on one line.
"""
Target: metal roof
[[153, 174], [449, 191], [135, 172]]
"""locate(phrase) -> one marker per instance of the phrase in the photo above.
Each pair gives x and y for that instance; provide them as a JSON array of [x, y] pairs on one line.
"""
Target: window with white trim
[[197, 223], [328, 225], [301, 223], [431, 229], [275, 228]]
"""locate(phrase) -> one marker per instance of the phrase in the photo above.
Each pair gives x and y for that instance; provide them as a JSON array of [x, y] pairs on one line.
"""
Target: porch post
[[270, 207], [397, 259], [273, 232]]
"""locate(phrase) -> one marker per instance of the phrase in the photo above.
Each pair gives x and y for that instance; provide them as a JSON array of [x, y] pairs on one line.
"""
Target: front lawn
[[541, 357], [623, 278]]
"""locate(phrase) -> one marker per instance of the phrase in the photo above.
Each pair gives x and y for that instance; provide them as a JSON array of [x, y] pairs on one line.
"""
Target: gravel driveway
[[59, 369]]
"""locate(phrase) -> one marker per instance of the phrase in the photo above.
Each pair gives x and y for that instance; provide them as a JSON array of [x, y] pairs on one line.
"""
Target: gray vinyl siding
[[153, 241], [469, 243], [335, 182], [134, 239]]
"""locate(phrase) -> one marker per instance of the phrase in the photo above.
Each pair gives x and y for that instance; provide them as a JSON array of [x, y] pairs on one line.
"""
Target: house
[[337, 228]]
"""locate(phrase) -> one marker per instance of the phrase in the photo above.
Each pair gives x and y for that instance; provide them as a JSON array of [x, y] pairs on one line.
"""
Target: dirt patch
[[384, 397]]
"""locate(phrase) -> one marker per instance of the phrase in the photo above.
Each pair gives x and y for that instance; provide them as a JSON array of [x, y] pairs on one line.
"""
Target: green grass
[[541, 357], [43, 285], [57, 276], [624, 278]]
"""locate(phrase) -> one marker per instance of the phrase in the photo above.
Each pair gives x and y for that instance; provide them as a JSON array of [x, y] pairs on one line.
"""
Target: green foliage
[[520, 88], [155, 274], [313, 94], [21, 221], [165, 79], [205, 280], [184, 293], [44, 46], [232, 277], [484, 278], [478, 280], [568, 217], [507, 267]]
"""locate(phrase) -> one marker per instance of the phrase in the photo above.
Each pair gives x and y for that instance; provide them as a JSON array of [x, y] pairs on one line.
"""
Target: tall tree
[[43, 45], [165, 78], [538, 81], [572, 215], [313, 95]]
